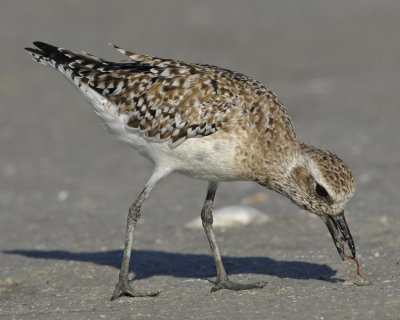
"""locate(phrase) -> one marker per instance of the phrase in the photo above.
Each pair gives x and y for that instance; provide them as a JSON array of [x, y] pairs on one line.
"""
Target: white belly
[[209, 158]]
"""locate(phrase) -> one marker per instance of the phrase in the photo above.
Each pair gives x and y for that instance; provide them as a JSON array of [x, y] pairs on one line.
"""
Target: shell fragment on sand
[[232, 217]]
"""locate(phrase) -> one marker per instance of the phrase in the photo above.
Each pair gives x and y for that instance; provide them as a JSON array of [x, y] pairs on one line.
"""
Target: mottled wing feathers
[[163, 99], [173, 100]]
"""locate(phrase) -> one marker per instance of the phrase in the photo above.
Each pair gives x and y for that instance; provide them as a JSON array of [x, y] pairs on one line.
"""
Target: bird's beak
[[340, 233]]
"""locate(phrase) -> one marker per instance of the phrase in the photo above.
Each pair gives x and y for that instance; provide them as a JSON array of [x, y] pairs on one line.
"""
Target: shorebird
[[208, 123]]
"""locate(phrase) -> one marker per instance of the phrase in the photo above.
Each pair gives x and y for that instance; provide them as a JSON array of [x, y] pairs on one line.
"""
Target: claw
[[123, 288]]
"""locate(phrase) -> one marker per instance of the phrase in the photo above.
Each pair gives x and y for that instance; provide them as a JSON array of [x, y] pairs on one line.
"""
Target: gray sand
[[66, 184]]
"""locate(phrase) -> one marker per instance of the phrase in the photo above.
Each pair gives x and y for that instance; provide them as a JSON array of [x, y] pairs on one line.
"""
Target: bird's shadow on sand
[[148, 263]]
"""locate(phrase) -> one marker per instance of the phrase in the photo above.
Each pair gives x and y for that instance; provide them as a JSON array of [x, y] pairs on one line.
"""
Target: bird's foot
[[123, 288], [227, 284]]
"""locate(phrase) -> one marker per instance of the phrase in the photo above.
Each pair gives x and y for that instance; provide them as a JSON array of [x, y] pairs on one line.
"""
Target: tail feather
[[133, 56], [98, 79], [88, 74], [81, 70], [94, 57], [55, 56]]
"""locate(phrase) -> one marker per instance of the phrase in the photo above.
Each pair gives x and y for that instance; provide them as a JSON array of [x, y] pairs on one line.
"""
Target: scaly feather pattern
[[164, 99]]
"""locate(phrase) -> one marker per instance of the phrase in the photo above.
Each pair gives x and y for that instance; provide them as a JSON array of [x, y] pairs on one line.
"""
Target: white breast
[[209, 158]]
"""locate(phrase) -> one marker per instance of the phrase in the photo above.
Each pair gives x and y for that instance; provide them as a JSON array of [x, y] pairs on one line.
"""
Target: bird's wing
[[164, 99]]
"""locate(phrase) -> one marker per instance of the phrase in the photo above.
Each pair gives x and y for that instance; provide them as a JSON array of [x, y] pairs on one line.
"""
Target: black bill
[[340, 233]]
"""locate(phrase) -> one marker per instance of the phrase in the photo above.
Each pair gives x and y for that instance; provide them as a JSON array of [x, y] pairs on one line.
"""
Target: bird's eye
[[321, 191]]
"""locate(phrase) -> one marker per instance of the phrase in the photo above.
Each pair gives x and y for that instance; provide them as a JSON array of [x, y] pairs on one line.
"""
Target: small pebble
[[62, 195], [232, 216]]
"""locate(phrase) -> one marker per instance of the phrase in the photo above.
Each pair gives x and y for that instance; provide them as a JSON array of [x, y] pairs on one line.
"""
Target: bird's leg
[[222, 278], [122, 287]]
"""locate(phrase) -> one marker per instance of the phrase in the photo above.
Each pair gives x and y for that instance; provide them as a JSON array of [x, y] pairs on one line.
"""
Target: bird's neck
[[273, 165]]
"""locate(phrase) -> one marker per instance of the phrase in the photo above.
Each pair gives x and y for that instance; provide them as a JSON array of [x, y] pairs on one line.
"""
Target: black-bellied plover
[[208, 123]]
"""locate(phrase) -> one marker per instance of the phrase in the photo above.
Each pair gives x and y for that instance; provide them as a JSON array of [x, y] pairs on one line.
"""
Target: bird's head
[[321, 183]]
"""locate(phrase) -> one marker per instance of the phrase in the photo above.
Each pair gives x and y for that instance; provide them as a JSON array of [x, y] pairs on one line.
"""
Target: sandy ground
[[66, 184]]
